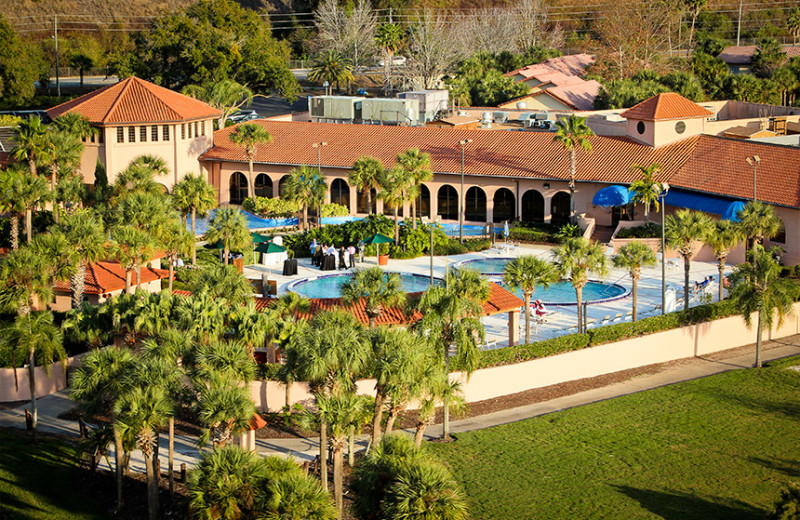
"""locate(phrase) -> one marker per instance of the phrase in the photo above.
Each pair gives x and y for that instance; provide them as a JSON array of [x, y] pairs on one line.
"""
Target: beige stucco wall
[[45, 385], [660, 133]]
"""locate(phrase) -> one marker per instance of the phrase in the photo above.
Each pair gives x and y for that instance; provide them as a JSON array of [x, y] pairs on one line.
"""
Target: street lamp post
[[432, 226], [754, 161], [319, 146], [664, 190], [462, 195]]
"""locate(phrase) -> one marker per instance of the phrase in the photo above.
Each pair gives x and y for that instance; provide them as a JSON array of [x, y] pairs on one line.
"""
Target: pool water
[[563, 293], [253, 222], [331, 286], [493, 266]]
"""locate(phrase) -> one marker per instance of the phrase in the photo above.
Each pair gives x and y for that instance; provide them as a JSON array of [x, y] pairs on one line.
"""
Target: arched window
[[475, 205], [263, 185], [424, 202], [389, 212], [340, 193], [559, 208], [504, 205], [447, 201], [282, 185], [361, 201], [780, 236], [238, 188], [532, 206]]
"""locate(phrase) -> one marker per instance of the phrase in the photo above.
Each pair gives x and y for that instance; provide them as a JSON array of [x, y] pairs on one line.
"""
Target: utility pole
[[739, 24], [55, 37], [390, 21], [461, 196]]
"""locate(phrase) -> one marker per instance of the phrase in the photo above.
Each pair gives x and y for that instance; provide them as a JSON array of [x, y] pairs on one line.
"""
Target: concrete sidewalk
[[186, 450]]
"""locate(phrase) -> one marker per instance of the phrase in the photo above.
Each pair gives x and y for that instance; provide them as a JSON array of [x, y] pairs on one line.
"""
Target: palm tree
[[756, 287], [333, 68], [29, 136], [633, 257], [389, 36], [146, 211], [229, 227], [757, 222], [365, 176], [683, 231], [377, 289], [250, 135], [572, 133], [225, 95], [295, 496], [202, 316], [11, 188], [526, 273], [223, 407], [253, 327], [427, 491], [224, 281], [75, 124], [393, 192], [437, 388], [793, 24], [194, 196], [84, 231], [31, 192], [176, 241], [646, 189], [451, 319], [33, 337], [24, 281], [62, 259], [153, 313], [417, 168], [63, 153], [577, 258], [133, 247], [723, 239], [138, 178], [307, 187], [230, 360]]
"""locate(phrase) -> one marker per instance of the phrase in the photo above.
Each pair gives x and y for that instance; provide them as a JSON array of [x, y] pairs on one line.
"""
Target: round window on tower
[[680, 127], [640, 127]]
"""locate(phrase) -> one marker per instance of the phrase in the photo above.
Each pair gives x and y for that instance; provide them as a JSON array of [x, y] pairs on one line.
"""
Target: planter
[[383, 260]]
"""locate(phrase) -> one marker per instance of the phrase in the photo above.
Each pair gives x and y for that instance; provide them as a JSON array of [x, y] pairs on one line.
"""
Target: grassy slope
[[40, 481], [719, 447]]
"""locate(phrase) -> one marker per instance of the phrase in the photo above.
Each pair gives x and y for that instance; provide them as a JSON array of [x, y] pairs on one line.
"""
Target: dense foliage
[[649, 230], [20, 65]]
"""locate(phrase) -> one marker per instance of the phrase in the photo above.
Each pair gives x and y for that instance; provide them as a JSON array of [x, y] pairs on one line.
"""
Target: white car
[[396, 61]]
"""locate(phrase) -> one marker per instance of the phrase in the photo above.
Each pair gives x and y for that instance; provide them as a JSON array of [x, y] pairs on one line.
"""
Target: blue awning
[[728, 209], [612, 196]]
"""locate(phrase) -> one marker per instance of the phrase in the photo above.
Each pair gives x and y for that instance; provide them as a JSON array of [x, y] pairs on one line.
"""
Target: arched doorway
[[532, 206], [340, 193], [282, 185], [447, 200], [361, 201], [475, 204], [559, 208], [504, 205], [263, 186], [238, 188], [424, 202]]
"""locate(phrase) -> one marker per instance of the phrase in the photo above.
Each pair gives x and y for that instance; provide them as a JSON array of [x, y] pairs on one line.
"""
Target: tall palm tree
[[195, 197], [573, 133], [133, 247], [138, 177], [84, 231], [25, 280], [451, 320], [29, 338], [723, 239], [793, 24], [646, 189], [389, 36], [75, 124], [62, 259], [377, 289], [633, 257], [683, 231], [253, 327], [230, 360], [332, 67], [148, 212], [437, 389], [202, 316], [417, 167], [250, 135], [176, 241], [63, 153], [223, 407], [526, 273], [577, 258], [29, 136], [11, 187], [229, 227], [307, 187], [224, 281], [31, 192], [394, 184], [757, 222], [153, 313], [756, 287], [365, 176], [225, 95]]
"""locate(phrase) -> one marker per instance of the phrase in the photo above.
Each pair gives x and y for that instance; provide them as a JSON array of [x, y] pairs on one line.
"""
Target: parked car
[[396, 61], [238, 117]]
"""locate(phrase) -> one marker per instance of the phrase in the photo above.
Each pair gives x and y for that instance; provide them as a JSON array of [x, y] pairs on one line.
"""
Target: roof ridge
[[153, 94], [127, 83]]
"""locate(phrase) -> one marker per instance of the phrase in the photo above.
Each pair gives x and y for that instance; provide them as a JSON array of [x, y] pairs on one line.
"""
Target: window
[[183, 131], [196, 126], [202, 128], [143, 134], [120, 135], [100, 133], [190, 130], [131, 134], [680, 127], [154, 133], [640, 127], [165, 133]]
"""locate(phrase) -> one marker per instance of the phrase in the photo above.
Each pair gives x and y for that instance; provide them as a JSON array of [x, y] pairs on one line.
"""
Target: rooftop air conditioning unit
[[463, 113], [500, 117]]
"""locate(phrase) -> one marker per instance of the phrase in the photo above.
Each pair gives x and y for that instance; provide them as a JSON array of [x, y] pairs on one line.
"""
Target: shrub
[[649, 230], [788, 505], [567, 231], [533, 232], [451, 247], [334, 210], [9, 120], [477, 244], [538, 349], [272, 208]]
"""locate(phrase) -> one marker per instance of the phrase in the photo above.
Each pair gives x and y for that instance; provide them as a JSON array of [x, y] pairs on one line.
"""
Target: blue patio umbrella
[[612, 196]]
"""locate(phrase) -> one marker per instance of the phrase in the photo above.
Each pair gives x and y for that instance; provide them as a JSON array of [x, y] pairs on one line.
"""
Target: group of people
[[346, 255]]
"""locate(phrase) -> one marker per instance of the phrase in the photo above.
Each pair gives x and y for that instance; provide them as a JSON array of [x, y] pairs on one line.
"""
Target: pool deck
[[562, 319]]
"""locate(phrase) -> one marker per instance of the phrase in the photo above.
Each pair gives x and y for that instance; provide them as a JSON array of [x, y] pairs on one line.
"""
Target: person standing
[[352, 253], [361, 251], [313, 247]]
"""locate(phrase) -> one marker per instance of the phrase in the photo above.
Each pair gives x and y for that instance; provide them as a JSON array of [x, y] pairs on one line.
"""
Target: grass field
[[41, 481], [720, 447]]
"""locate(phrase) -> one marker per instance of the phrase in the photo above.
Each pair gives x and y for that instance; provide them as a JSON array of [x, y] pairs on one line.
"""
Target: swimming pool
[[330, 286], [253, 222], [486, 266]]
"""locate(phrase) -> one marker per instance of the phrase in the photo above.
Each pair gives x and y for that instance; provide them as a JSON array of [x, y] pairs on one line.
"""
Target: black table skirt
[[328, 263], [290, 267]]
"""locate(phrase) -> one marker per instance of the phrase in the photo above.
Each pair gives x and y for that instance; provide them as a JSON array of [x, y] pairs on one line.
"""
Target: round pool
[[487, 266], [330, 286], [563, 293]]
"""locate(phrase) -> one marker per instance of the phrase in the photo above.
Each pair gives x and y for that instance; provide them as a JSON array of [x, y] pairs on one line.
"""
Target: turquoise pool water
[[331, 286], [563, 293], [492, 266]]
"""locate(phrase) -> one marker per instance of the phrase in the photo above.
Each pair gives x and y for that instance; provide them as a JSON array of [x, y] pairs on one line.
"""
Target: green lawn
[[41, 481], [716, 448]]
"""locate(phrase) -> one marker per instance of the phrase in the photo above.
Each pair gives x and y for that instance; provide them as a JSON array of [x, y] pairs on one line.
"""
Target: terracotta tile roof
[[500, 300], [135, 100], [460, 120], [668, 105], [743, 54], [748, 131], [573, 64], [106, 277], [579, 96]]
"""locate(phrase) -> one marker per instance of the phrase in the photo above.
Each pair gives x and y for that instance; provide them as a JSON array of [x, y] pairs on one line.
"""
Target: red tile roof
[[668, 105], [106, 277], [579, 96], [135, 100], [743, 54], [574, 65]]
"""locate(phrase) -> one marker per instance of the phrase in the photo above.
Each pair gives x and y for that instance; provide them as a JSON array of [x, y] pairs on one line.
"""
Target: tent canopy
[[377, 238], [612, 196], [728, 209], [269, 247]]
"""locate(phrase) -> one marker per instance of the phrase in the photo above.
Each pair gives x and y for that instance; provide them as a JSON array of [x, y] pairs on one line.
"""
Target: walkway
[[307, 448]]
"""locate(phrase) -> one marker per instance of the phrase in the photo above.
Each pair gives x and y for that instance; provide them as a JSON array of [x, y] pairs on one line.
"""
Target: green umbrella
[[259, 239], [269, 247], [378, 239]]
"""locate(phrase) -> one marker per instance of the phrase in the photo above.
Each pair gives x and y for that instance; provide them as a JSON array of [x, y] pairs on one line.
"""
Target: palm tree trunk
[[572, 185], [225, 254], [78, 284], [32, 387], [369, 200], [579, 299], [171, 272], [323, 453], [152, 497], [758, 341], [377, 416], [288, 394], [351, 447], [371, 321], [721, 269], [194, 234], [128, 281], [250, 187], [171, 456], [14, 231], [635, 291], [393, 413], [414, 212], [29, 224], [305, 218], [138, 275], [419, 434], [686, 267], [338, 462], [396, 227], [526, 297], [446, 401], [118, 465]]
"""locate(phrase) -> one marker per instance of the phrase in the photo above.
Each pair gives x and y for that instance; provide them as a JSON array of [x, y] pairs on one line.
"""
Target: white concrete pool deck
[[562, 319]]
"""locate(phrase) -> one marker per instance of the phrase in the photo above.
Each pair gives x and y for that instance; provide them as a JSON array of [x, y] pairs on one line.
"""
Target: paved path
[[306, 448]]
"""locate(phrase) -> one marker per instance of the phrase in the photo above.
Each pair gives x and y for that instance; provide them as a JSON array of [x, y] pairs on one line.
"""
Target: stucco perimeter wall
[[488, 383], [45, 385]]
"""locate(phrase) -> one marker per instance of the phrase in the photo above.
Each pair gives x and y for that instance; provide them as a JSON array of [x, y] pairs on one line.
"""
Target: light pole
[[664, 190], [754, 161], [327, 85], [55, 37], [462, 195], [432, 226], [319, 146]]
